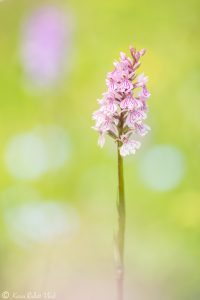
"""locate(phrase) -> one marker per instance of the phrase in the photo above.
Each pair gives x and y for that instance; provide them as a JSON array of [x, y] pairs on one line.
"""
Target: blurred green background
[[58, 189]]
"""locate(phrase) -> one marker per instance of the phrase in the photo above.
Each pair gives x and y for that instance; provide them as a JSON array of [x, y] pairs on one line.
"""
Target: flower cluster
[[123, 107]]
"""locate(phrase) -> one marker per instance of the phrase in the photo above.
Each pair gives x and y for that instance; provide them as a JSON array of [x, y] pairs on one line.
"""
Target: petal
[[101, 140]]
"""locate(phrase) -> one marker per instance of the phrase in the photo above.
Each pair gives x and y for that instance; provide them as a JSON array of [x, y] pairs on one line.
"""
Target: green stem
[[121, 227]]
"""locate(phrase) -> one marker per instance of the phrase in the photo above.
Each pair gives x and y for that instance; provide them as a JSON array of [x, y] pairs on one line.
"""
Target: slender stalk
[[121, 227]]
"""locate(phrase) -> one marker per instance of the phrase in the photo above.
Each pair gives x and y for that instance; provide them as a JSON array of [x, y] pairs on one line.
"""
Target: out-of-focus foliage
[[58, 189]]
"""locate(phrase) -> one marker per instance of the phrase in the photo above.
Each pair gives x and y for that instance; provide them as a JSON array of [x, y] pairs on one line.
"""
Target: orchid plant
[[123, 109]]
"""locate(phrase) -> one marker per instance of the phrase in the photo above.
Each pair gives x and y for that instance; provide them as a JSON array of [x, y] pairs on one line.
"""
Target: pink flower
[[46, 41], [122, 110], [125, 86], [130, 103], [145, 93], [103, 121], [129, 147], [141, 80], [142, 129], [134, 116], [109, 102]]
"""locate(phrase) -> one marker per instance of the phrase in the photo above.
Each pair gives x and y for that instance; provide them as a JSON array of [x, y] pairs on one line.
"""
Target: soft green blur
[[163, 227]]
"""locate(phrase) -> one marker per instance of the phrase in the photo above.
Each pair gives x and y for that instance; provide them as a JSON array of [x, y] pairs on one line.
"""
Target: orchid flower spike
[[123, 107]]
